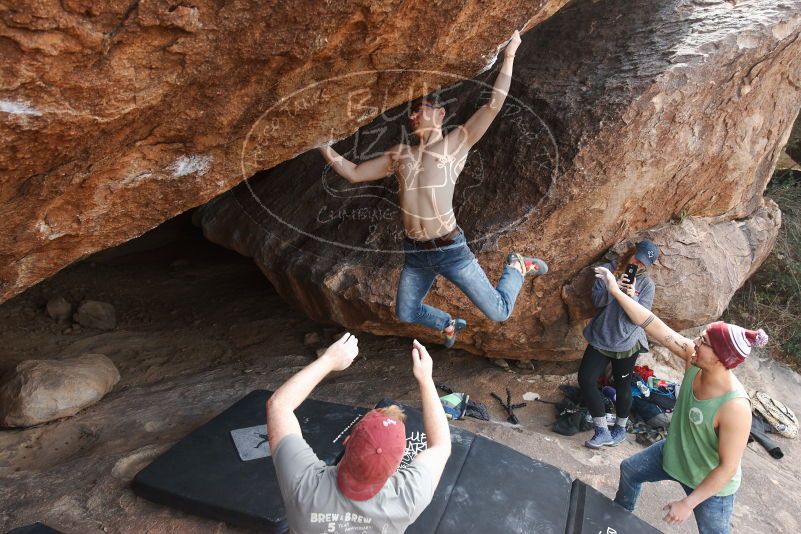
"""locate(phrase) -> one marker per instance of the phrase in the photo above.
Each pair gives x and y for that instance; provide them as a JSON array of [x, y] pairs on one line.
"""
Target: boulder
[[96, 314], [59, 309], [790, 158], [38, 391], [621, 119], [117, 115], [704, 262]]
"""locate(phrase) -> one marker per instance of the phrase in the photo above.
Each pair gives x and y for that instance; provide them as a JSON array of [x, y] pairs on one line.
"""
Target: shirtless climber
[[434, 244]]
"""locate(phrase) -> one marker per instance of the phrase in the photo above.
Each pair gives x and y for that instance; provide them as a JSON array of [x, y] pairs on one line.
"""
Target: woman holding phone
[[613, 338]]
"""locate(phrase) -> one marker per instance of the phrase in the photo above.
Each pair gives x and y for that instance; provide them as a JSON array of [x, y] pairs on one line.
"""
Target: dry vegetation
[[771, 298]]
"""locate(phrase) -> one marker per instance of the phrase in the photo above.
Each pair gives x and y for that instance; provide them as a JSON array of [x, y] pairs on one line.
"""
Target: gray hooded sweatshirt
[[611, 329]]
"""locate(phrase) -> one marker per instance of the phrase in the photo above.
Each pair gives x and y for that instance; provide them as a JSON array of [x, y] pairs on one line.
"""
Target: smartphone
[[631, 272]]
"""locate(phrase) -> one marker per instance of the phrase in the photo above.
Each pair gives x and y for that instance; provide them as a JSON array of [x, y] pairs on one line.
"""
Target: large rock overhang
[[637, 116]]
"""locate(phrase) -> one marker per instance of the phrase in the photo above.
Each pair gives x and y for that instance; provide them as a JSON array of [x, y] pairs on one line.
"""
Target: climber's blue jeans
[[712, 516], [457, 263]]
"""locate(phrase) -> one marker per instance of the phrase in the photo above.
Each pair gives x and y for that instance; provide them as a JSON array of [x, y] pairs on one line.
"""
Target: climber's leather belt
[[437, 242]]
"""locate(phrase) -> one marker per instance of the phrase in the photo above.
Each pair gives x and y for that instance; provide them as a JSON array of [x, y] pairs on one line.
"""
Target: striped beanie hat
[[733, 343]]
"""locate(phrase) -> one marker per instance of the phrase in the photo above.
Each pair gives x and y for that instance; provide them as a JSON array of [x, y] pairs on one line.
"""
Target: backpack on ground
[[571, 418], [774, 412]]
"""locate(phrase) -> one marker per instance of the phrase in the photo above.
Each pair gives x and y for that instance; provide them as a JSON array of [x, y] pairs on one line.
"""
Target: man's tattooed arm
[[642, 316], [677, 344]]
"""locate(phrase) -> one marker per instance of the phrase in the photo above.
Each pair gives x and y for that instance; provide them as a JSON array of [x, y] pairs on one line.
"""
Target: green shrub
[[771, 298]]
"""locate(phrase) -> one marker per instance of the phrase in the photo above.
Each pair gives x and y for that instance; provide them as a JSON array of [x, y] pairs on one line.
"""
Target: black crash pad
[[502, 490], [461, 440], [592, 512], [36, 528], [202, 474], [489, 487], [486, 486]]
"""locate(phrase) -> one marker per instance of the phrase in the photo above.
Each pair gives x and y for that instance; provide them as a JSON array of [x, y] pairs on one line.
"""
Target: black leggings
[[593, 364]]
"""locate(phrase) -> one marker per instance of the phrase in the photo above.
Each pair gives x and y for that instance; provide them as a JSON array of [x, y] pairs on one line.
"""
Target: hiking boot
[[618, 434], [602, 437], [458, 325], [531, 266]]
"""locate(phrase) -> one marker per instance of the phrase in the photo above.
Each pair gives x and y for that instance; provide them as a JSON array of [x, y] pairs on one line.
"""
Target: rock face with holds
[[116, 116], [663, 119]]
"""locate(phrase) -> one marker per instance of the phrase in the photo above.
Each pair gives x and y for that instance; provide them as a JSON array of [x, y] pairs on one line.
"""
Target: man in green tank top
[[710, 425]]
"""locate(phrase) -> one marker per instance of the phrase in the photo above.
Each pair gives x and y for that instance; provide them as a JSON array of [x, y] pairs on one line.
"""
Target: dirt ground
[[199, 327]]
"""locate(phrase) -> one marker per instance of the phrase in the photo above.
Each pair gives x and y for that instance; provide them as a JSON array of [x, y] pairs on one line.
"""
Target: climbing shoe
[[458, 325], [531, 266]]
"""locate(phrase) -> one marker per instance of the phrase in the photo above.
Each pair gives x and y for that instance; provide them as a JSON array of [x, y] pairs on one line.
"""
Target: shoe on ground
[[618, 434], [602, 437]]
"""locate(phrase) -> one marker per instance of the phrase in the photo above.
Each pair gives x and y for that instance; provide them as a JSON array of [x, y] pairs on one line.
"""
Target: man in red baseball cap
[[373, 451], [710, 424], [366, 492]]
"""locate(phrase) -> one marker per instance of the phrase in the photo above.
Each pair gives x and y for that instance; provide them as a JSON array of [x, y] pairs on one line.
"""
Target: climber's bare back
[[427, 177]]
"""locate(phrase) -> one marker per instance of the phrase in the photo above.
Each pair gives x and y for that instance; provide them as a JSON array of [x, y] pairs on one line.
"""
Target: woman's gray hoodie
[[611, 329]]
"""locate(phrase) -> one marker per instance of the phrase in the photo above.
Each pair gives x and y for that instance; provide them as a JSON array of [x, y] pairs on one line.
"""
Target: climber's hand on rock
[[514, 42]]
